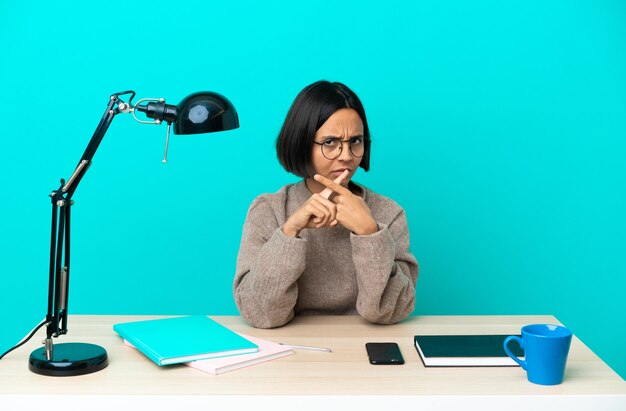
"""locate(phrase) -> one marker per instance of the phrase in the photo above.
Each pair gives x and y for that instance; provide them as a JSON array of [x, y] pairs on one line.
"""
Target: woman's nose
[[346, 154]]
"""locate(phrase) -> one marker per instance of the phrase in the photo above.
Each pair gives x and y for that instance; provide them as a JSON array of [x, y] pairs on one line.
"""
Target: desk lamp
[[203, 112]]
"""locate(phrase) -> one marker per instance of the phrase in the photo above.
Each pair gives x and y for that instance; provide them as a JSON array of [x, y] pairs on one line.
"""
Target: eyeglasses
[[333, 146]]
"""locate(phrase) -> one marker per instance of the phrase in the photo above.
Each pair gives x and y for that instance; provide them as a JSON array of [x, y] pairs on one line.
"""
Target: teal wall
[[499, 126]]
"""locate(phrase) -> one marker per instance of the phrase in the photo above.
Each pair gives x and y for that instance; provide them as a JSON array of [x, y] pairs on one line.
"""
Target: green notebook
[[465, 350], [183, 339]]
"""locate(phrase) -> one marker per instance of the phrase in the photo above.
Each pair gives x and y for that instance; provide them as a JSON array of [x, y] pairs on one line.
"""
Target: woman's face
[[343, 124]]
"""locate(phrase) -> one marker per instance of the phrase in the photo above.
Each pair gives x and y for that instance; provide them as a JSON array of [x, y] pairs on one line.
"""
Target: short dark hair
[[309, 111]]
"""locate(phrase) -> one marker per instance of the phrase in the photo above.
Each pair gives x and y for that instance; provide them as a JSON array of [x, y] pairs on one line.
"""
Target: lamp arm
[[115, 106], [58, 283]]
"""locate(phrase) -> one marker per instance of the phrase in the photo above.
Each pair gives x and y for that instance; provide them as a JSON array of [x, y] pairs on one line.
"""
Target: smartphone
[[384, 353]]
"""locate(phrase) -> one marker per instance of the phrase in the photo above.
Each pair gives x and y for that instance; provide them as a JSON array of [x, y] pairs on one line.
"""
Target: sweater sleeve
[[268, 265], [386, 272]]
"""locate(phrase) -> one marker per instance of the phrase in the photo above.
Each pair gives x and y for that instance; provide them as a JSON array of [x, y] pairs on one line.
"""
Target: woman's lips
[[337, 173]]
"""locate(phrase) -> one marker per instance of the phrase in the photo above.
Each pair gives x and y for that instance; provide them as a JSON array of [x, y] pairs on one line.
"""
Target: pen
[[307, 347]]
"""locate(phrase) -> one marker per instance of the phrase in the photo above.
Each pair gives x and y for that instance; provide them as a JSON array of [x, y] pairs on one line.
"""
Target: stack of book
[[199, 342]]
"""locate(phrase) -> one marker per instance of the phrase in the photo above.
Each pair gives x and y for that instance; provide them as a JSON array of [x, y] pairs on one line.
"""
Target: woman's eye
[[330, 142], [356, 140]]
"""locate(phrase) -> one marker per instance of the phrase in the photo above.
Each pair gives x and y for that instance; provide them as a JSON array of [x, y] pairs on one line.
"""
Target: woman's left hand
[[352, 212]]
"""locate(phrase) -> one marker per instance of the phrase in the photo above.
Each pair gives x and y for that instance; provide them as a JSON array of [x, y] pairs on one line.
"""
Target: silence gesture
[[317, 212], [351, 210]]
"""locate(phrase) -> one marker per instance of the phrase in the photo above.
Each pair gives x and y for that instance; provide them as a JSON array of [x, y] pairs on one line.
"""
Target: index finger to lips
[[327, 191], [337, 188]]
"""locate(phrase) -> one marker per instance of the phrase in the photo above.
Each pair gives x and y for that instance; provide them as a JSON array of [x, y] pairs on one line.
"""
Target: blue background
[[499, 126]]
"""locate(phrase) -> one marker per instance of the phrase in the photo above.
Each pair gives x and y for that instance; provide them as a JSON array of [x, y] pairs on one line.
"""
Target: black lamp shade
[[205, 112]]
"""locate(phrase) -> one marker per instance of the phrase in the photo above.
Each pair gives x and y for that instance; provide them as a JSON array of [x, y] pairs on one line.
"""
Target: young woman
[[324, 245]]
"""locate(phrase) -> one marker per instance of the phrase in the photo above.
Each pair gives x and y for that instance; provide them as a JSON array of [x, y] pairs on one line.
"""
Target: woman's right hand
[[316, 212]]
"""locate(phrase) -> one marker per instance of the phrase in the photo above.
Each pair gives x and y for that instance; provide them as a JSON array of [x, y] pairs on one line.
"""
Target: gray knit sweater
[[325, 270]]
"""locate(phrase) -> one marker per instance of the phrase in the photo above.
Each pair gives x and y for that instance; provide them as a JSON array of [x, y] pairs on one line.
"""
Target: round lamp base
[[69, 359]]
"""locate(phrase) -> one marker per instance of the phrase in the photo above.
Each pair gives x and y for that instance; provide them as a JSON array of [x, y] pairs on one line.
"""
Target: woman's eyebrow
[[354, 136]]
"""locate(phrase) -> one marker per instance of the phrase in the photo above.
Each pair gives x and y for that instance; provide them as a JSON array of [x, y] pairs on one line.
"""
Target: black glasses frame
[[349, 141]]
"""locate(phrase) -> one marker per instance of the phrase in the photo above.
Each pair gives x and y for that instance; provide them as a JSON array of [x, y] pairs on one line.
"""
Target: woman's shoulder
[[381, 204], [269, 198], [279, 199], [286, 191], [371, 196]]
